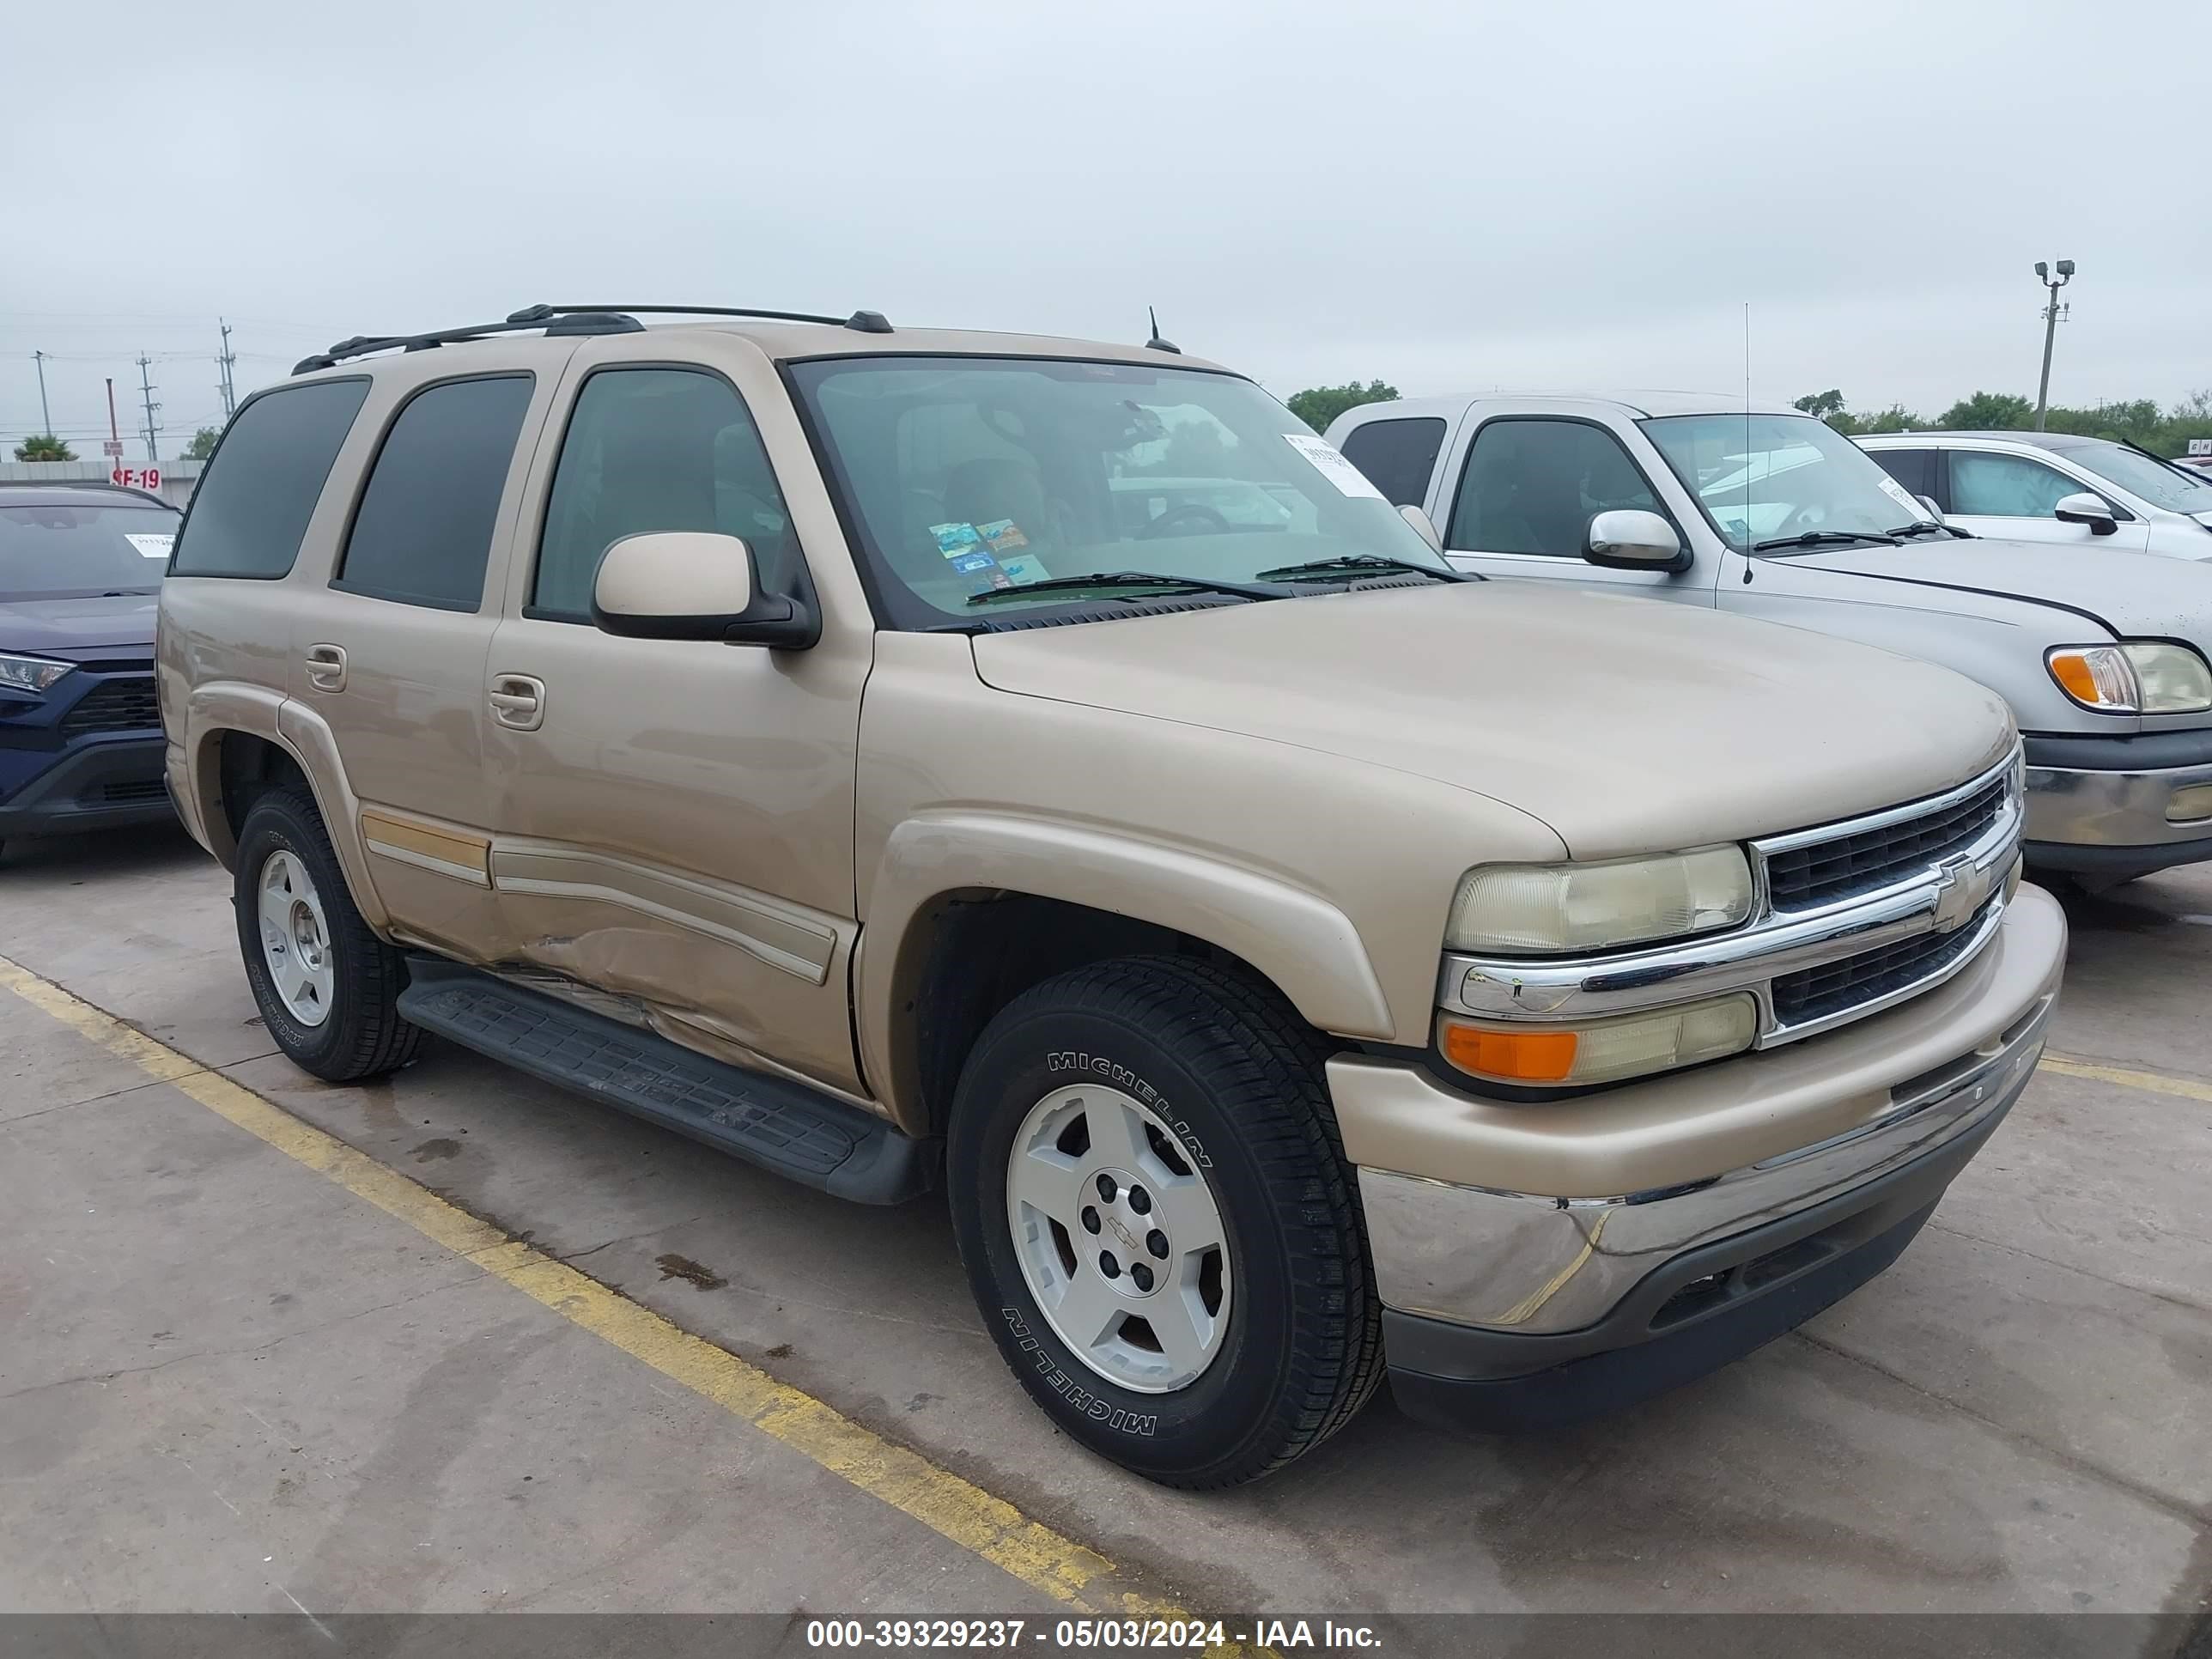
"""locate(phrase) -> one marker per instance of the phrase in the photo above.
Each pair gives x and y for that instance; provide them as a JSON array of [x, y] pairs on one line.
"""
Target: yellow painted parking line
[[2156, 1083], [956, 1509]]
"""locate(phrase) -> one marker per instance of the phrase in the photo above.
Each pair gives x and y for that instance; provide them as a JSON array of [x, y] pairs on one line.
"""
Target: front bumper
[[1695, 1210], [103, 784], [2100, 806]]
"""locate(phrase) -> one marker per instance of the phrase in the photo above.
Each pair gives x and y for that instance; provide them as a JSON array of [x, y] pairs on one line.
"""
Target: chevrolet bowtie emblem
[[1960, 890]]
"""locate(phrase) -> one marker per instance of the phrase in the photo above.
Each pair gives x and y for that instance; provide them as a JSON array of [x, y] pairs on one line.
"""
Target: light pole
[[2051, 312]]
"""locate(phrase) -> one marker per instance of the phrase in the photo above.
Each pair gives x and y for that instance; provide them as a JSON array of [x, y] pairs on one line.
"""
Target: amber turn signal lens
[[1526, 1056], [2072, 671]]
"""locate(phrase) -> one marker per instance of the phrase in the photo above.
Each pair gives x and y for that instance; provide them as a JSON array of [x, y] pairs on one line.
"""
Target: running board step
[[781, 1125]]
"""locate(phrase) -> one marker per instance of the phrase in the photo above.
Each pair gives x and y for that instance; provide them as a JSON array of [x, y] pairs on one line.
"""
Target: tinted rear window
[[254, 500], [1397, 456], [1910, 467], [65, 550], [423, 530]]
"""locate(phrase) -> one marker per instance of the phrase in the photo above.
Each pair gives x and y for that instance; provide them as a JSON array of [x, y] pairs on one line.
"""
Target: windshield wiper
[[1353, 563], [1918, 526], [1825, 539], [1123, 578]]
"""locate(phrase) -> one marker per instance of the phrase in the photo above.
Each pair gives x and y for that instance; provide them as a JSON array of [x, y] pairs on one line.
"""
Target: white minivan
[[2054, 487]]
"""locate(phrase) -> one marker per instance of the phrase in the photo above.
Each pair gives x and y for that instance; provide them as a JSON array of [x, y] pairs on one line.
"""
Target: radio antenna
[[1747, 442]]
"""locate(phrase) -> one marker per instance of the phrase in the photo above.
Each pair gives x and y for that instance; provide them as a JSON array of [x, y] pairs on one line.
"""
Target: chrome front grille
[[1804, 877], [1835, 988]]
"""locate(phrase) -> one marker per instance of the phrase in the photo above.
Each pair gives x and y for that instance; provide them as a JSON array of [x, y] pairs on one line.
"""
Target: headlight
[[31, 673], [2137, 677], [1602, 1051], [1521, 909]]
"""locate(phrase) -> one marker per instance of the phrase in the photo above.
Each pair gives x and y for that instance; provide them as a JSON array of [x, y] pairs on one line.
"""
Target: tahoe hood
[[1627, 726]]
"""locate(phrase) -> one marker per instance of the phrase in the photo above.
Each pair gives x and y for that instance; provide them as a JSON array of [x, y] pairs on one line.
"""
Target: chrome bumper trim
[[2111, 809], [1966, 888], [1510, 1262]]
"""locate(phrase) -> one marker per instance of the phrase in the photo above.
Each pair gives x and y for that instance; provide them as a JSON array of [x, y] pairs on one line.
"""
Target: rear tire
[[328, 988], [1192, 1366]]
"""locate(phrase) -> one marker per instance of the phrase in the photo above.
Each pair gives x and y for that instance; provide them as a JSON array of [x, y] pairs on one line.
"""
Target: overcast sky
[[1448, 195]]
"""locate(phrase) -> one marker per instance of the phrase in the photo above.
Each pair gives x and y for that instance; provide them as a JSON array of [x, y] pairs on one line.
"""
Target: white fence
[[178, 476]]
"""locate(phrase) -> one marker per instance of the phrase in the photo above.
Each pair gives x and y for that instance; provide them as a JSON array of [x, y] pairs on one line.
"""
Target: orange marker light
[[2072, 670], [1523, 1056]]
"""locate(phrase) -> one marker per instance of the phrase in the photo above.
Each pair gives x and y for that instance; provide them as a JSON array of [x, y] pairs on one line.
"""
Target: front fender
[[1306, 947]]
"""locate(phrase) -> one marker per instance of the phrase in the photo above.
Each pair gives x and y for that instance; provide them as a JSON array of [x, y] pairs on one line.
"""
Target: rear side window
[[1397, 456], [1913, 468], [422, 533], [253, 503]]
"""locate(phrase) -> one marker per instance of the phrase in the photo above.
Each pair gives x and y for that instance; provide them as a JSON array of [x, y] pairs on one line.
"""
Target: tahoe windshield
[[968, 477], [2157, 482], [1775, 478], [70, 551]]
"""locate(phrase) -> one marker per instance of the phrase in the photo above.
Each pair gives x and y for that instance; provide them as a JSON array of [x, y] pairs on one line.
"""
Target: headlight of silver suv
[[1530, 910], [31, 673], [2136, 677]]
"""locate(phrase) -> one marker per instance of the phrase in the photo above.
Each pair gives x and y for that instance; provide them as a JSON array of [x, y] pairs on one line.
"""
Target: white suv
[[2054, 487]]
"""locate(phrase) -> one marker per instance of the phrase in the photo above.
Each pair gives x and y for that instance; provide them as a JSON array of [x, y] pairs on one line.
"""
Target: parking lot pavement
[[2018, 1416]]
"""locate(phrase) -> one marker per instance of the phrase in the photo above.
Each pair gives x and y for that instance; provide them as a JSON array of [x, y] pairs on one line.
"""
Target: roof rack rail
[[595, 321], [865, 322], [571, 319]]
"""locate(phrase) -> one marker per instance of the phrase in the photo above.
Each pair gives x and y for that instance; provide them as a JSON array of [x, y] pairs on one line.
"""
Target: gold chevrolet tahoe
[[1046, 772]]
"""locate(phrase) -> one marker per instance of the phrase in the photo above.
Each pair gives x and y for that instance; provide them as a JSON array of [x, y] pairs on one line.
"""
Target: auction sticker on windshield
[[1348, 479], [153, 547]]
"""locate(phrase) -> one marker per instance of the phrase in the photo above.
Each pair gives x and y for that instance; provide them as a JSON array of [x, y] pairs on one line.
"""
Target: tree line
[[2139, 421], [2163, 431], [44, 446]]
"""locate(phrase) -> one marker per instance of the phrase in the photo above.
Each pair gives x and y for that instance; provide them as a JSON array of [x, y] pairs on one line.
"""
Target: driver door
[[1525, 490], [2011, 497]]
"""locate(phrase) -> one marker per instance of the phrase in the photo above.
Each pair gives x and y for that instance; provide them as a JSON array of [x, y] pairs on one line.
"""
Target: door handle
[[326, 667], [517, 702]]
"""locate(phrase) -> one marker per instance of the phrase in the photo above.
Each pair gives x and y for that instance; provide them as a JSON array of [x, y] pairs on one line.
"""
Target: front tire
[[1159, 1222], [328, 988]]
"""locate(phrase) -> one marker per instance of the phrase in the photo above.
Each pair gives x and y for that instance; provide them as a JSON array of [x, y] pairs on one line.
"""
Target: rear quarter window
[[1397, 455], [253, 503]]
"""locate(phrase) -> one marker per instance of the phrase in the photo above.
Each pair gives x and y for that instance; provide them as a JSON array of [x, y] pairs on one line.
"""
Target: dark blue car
[[80, 744]]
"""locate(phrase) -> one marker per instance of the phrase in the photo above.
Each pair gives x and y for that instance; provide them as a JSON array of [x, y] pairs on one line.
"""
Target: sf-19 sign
[[136, 477]]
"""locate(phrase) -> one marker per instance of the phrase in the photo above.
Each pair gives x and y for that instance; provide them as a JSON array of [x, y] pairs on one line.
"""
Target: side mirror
[[1935, 512], [1422, 522], [694, 585], [1629, 538], [2086, 508]]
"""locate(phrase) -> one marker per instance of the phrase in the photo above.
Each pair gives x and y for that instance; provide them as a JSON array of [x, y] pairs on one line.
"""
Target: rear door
[[674, 818], [389, 652], [2010, 496], [1524, 489]]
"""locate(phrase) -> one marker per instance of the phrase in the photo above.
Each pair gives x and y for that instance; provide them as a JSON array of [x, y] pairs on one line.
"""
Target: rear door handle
[[326, 667], [517, 702]]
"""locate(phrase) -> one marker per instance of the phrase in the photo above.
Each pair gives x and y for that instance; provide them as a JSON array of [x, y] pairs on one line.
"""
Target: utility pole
[[146, 389], [229, 392], [46, 419], [2051, 312]]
